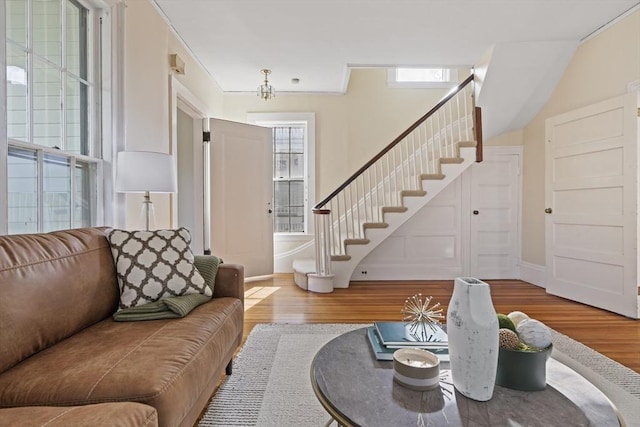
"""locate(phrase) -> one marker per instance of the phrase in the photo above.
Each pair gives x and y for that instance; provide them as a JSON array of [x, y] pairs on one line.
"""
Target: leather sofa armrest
[[229, 282]]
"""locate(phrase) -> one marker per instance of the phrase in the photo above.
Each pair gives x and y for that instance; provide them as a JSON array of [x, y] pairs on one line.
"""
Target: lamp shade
[[141, 171]]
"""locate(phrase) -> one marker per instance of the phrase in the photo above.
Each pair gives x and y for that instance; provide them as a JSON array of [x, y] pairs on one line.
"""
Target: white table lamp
[[145, 172]]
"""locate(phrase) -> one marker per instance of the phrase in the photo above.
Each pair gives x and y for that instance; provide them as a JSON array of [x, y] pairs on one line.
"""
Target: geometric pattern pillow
[[152, 265]]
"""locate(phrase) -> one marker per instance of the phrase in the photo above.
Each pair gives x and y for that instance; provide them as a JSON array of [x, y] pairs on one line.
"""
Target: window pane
[[281, 224], [297, 140], [281, 193], [76, 117], [56, 197], [17, 21], [296, 193], [17, 105], [281, 140], [281, 166], [421, 75], [297, 166], [86, 194], [47, 103], [76, 41], [22, 172], [47, 29], [296, 220]]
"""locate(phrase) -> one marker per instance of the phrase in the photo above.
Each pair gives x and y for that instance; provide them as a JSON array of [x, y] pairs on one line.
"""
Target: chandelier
[[265, 90]]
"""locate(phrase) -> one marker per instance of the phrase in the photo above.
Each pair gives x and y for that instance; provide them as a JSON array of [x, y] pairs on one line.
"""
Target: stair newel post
[[477, 128], [322, 279]]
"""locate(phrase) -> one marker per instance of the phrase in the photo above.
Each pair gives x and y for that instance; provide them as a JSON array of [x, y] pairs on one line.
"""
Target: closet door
[[494, 224], [591, 205]]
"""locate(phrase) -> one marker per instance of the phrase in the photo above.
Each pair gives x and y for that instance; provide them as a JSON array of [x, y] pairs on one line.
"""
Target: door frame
[[182, 98], [491, 151]]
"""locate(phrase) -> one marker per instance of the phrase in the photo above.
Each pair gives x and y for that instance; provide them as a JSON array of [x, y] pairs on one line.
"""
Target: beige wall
[[506, 139], [148, 44], [601, 68], [350, 128]]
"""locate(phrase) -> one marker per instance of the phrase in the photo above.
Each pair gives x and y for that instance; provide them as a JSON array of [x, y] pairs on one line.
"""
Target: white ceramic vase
[[472, 327]]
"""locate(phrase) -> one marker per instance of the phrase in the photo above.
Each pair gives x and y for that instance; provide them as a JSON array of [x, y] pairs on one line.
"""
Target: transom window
[[422, 77], [53, 153]]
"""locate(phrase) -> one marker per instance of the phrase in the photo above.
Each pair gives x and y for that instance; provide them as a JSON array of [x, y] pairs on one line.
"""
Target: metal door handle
[[476, 212], [548, 210]]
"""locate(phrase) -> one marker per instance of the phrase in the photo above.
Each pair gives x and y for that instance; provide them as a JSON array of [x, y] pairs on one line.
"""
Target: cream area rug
[[271, 384]]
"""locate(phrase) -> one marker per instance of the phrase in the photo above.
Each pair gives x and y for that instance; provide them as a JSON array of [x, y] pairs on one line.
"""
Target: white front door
[[494, 243], [241, 195], [591, 205]]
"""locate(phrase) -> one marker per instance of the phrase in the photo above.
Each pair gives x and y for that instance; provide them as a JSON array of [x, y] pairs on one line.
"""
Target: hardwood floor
[[279, 300]]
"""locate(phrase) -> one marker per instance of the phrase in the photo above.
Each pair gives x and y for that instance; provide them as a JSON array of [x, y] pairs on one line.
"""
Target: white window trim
[[271, 119], [4, 147], [393, 83], [102, 150]]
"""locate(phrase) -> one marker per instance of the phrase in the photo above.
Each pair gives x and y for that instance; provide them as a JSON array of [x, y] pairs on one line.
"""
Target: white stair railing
[[396, 172]]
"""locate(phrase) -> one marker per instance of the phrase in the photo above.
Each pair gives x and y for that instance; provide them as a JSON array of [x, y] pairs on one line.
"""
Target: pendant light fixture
[[265, 90]]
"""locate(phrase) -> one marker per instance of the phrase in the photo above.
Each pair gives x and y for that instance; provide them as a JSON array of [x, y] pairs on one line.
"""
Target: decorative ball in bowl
[[416, 369]]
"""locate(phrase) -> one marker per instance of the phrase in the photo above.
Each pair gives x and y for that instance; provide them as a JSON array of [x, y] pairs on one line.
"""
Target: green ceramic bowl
[[523, 370]]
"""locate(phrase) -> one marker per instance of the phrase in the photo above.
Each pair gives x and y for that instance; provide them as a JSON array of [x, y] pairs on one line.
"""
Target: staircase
[[390, 188]]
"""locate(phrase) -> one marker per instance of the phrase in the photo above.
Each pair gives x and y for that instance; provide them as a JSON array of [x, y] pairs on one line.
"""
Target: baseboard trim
[[533, 273], [372, 272]]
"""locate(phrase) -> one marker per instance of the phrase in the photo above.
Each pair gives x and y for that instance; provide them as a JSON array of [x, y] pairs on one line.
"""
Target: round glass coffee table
[[358, 390]]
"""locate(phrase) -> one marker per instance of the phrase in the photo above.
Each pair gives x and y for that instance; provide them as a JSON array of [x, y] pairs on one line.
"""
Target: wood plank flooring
[[279, 300]]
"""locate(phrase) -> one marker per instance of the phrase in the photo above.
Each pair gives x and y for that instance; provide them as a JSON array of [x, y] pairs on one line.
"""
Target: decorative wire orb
[[421, 316]]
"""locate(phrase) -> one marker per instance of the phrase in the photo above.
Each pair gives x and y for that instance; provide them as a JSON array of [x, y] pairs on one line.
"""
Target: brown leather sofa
[[65, 361]]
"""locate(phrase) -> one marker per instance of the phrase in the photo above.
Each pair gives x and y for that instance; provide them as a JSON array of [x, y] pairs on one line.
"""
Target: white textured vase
[[472, 327]]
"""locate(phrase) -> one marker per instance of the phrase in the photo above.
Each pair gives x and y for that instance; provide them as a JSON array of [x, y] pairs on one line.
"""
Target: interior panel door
[[495, 215], [591, 205], [241, 195]]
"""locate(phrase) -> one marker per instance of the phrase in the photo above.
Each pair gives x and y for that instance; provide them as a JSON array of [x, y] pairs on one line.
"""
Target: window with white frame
[[293, 169], [53, 152], [422, 77], [288, 178]]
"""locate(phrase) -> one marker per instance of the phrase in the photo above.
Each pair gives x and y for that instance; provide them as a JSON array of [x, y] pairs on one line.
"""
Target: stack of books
[[387, 337]]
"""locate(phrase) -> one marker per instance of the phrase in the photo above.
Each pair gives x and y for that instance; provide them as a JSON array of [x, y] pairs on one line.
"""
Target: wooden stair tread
[[451, 160], [374, 225], [394, 209], [356, 241], [413, 193], [467, 144], [432, 176], [340, 257]]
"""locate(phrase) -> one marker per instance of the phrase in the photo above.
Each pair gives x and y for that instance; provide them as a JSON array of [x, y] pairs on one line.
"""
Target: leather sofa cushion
[[126, 414], [52, 285], [164, 363]]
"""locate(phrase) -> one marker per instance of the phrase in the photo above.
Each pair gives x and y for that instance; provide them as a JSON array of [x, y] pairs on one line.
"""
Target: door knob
[[476, 212], [548, 210]]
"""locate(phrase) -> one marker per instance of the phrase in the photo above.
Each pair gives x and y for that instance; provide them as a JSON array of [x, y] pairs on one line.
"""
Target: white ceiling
[[318, 41]]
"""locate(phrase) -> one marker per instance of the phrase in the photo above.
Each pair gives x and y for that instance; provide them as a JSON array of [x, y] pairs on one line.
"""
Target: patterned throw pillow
[[152, 265]]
